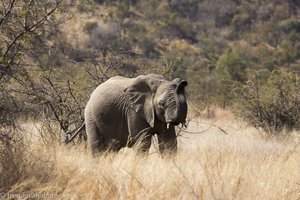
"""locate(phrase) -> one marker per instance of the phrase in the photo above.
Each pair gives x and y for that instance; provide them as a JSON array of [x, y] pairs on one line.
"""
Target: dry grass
[[211, 165]]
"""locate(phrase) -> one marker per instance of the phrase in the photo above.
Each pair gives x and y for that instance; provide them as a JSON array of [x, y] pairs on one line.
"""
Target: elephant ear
[[139, 96]]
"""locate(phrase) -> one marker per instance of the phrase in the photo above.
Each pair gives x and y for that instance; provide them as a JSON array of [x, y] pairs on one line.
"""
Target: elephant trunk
[[181, 104], [178, 113], [181, 109]]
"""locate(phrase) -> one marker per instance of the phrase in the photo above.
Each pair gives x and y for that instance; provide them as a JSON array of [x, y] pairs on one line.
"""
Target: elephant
[[127, 112]]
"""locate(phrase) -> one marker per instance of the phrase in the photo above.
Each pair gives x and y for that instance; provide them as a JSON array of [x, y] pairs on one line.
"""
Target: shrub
[[90, 26], [289, 25], [270, 101]]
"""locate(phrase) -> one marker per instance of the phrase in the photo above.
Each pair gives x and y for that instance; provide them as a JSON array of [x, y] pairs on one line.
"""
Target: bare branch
[[26, 29], [8, 11]]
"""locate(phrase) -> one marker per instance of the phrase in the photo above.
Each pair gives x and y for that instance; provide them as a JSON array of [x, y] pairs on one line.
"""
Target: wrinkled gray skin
[[127, 111]]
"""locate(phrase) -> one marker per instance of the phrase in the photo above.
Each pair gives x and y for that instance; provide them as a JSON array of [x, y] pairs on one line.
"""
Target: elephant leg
[[114, 145], [140, 134], [95, 141], [167, 141], [143, 144]]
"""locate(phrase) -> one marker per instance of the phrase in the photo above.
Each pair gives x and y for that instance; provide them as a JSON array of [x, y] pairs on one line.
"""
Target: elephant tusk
[[168, 125]]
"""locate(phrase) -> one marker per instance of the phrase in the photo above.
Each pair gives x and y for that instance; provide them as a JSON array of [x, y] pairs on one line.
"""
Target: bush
[[270, 101], [90, 26], [289, 25]]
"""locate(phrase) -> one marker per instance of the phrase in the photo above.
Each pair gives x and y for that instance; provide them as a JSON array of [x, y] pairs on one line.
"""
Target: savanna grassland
[[241, 60], [227, 161]]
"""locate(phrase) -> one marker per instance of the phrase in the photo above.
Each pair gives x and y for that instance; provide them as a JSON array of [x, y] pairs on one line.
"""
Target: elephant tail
[[69, 139]]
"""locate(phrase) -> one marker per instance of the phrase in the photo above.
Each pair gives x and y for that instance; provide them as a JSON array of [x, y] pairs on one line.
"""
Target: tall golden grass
[[210, 165]]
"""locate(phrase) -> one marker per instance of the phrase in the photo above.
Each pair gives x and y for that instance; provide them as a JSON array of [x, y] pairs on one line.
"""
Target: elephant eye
[[161, 104]]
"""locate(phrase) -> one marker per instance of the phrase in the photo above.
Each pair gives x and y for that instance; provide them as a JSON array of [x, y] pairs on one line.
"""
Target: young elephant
[[126, 111]]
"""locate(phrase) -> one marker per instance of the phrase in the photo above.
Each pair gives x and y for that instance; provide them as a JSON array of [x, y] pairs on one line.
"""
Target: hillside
[[209, 43]]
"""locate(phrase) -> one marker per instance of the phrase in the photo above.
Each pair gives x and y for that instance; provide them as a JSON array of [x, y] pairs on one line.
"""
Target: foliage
[[290, 46], [231, 66], [290, 25], [273, 105], [90, 26]]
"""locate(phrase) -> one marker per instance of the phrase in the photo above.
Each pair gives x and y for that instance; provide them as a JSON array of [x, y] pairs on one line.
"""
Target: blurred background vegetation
[[236, 54]]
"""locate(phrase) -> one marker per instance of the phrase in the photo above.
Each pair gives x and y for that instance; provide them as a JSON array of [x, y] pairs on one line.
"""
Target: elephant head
[[170, 101], [154, 97]]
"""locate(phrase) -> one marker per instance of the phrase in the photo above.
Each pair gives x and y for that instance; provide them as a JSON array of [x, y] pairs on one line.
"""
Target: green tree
[[290, 48], [231, 66]]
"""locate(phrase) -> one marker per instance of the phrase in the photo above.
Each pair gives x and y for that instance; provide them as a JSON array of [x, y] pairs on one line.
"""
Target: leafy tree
[[290, 48], [232, 66]]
